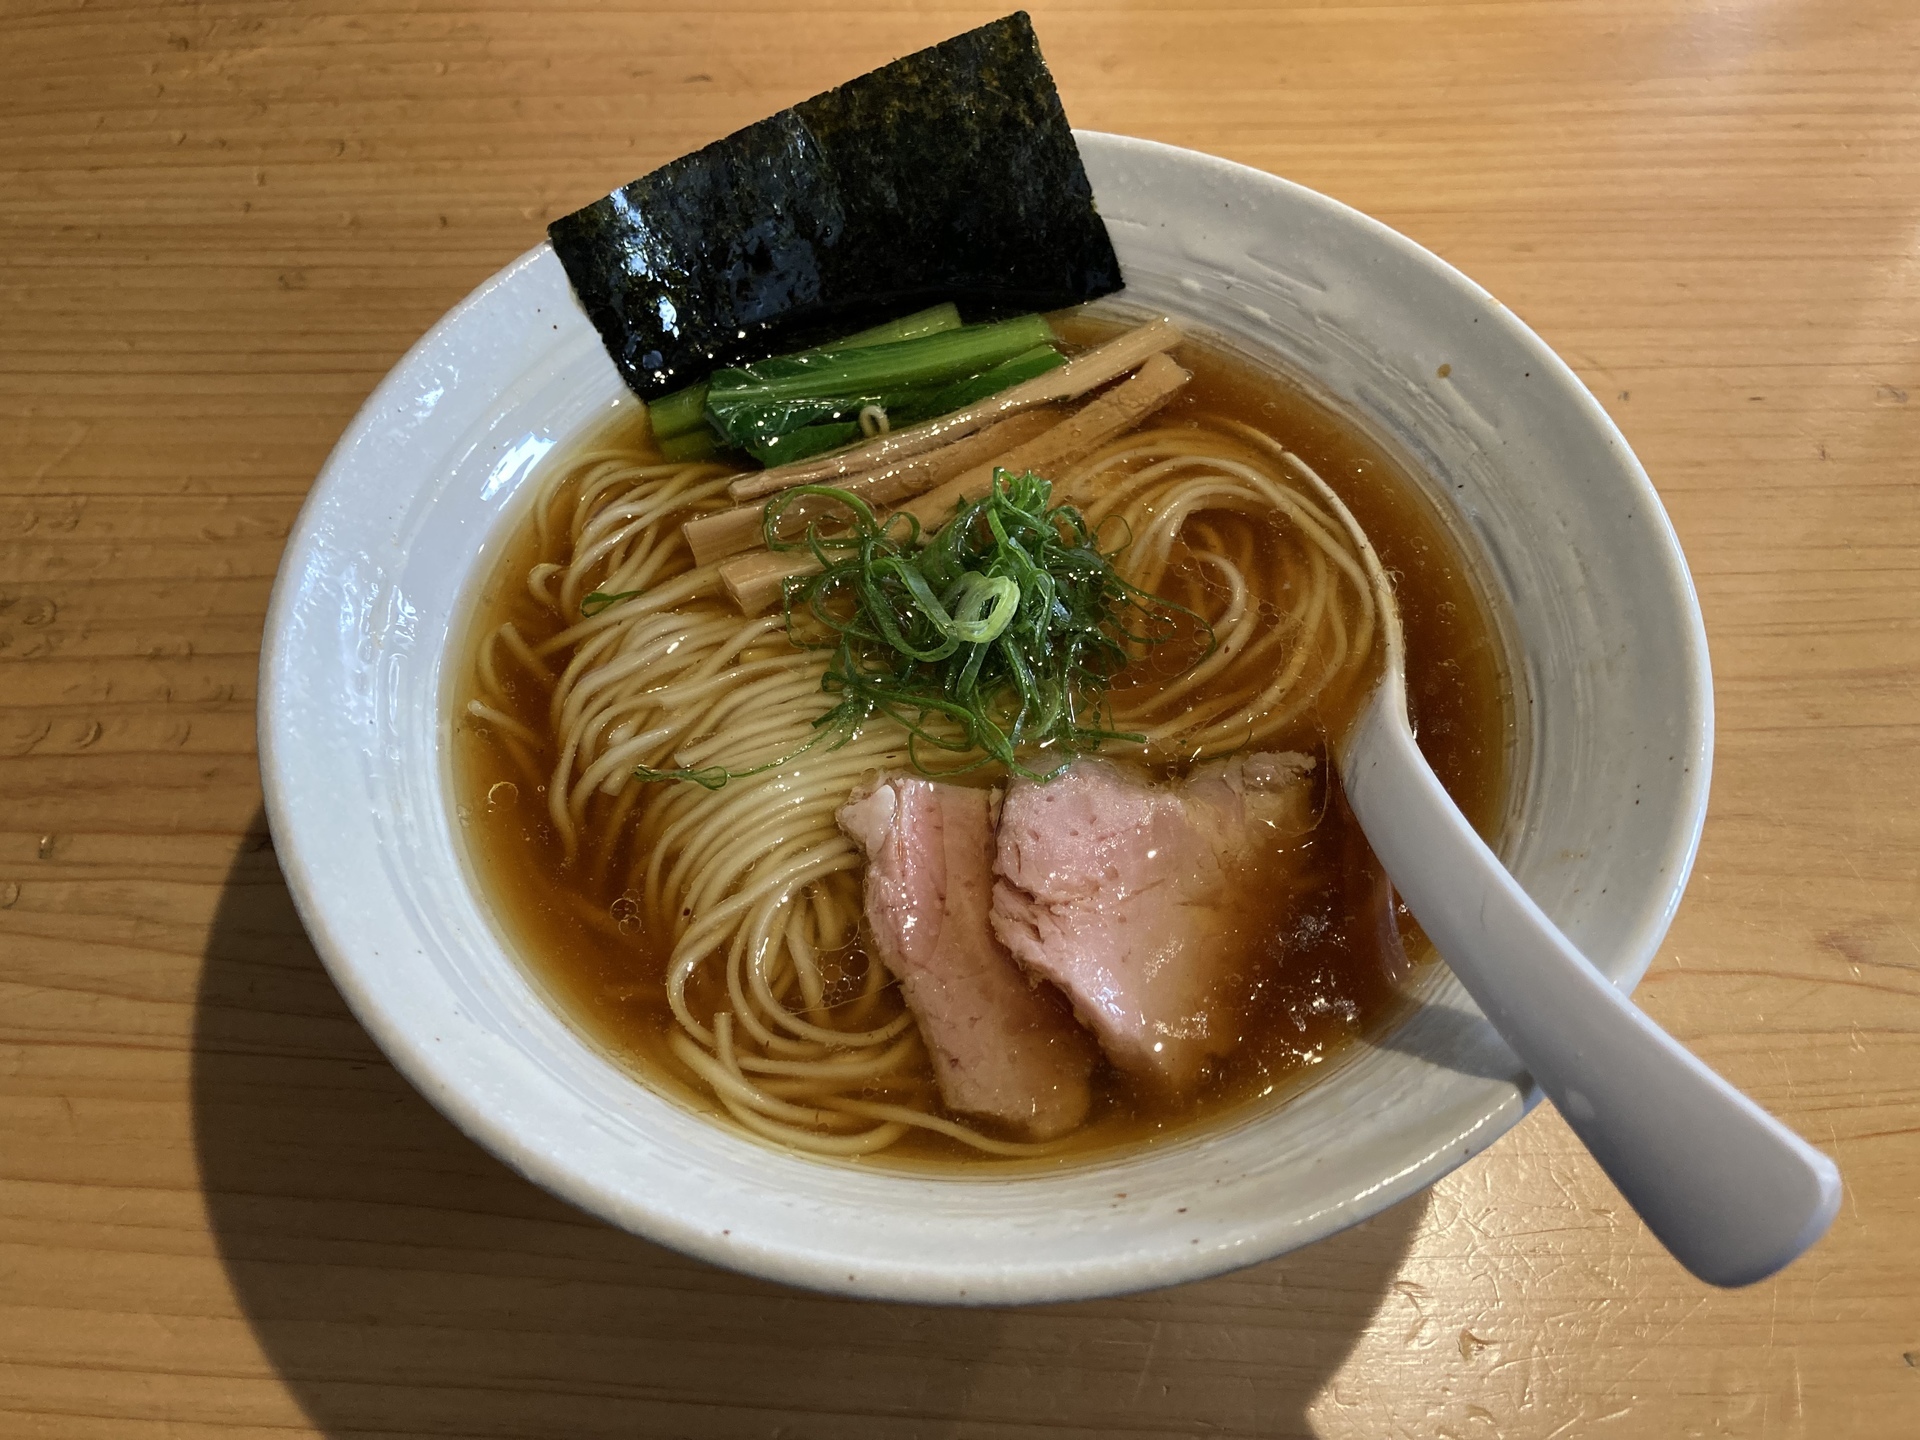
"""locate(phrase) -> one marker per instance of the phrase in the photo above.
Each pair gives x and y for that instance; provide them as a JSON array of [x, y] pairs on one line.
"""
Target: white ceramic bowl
[[1611, 788]]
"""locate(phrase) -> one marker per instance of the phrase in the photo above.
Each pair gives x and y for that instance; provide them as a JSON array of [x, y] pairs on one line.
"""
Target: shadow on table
[[404, 1282]]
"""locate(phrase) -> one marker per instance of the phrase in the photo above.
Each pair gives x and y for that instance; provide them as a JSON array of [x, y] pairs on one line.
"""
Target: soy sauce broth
[[1335, 954]]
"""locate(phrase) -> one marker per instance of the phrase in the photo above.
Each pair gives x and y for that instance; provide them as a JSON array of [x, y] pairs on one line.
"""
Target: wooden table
[[221, 1213]]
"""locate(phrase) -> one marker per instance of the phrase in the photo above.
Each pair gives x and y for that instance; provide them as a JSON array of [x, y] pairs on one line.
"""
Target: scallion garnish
[[592, 605], [999, 635]]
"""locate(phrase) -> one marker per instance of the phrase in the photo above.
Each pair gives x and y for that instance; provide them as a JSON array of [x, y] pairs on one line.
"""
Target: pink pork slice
[[1000, 1047], [1151, 906]]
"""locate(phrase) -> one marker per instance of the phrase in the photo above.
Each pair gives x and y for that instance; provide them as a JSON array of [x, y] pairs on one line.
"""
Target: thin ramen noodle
[[711, 937]]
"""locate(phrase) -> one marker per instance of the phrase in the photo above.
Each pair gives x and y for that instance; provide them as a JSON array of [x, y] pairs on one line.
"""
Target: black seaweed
[[950, 174]]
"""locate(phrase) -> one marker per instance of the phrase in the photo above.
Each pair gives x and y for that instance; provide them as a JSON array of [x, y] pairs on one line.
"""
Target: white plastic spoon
[[1729, 1190]]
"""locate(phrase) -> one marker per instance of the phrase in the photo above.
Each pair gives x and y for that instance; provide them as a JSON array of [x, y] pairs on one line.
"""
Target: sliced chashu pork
[[1001, 1047], [1151, 906]]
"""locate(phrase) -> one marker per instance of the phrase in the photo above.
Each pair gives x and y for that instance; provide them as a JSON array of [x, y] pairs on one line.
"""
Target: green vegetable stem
[[794, 406], [685, 410]]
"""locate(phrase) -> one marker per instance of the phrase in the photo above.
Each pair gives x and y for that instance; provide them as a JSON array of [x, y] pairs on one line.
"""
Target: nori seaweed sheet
[[950, 174]]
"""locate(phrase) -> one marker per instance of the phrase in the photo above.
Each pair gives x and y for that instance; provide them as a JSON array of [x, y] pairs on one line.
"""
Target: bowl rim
[[424, 1065]]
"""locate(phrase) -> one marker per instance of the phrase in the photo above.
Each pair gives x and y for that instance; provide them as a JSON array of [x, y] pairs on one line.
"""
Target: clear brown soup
[[1330, 972]]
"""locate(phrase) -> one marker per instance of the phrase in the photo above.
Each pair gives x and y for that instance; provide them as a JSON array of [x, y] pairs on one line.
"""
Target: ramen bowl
[[1607, 791]]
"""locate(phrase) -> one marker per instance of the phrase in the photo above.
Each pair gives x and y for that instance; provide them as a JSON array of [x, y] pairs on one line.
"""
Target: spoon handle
[[1729, 1190]]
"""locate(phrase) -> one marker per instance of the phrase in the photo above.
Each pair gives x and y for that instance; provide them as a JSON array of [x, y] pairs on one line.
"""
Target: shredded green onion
[[592, 605], [998, 636], [994, 639]]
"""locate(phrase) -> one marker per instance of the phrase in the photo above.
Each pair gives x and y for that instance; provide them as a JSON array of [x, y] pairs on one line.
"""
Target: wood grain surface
[[222, 1214]]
